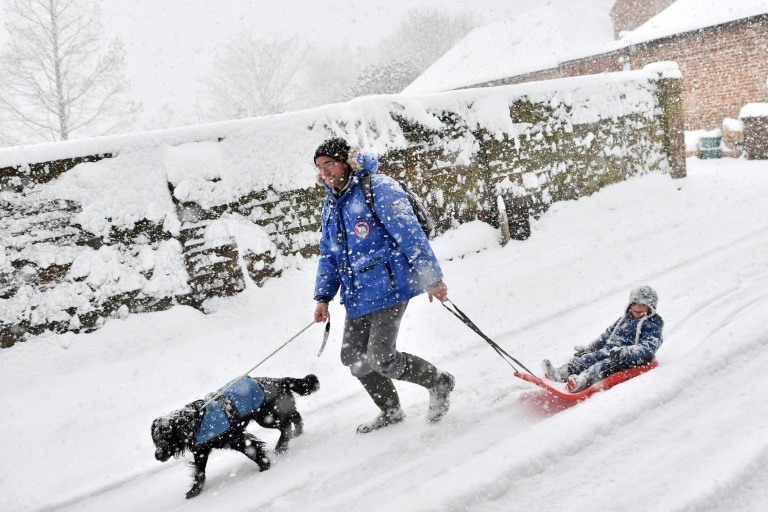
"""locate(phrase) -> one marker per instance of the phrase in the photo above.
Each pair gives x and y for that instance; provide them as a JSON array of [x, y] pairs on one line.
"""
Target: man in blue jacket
[[630, 341], [377, 262]]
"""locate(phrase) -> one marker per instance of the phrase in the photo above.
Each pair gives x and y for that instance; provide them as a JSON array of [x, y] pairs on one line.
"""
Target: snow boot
[[577, 383], [439, 384], [384, 395], [383, 419], [552, 373], [439, 394]]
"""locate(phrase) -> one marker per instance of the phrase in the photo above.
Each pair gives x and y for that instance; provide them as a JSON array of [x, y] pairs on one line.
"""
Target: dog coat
[[229, 404]]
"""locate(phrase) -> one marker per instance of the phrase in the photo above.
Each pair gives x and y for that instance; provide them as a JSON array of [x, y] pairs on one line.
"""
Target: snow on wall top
[[220, 163], [754, 110]]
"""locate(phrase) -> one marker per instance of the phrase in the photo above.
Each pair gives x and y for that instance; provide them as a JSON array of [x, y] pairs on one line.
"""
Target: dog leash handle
[[325, 336]]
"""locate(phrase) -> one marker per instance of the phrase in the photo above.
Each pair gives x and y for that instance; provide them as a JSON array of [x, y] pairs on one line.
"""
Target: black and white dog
[[221, 419]]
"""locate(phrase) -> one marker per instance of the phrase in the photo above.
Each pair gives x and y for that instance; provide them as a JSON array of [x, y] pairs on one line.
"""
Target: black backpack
[[426, 221]]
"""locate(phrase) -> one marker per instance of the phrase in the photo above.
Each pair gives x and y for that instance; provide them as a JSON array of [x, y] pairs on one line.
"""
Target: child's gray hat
[[644, 295]]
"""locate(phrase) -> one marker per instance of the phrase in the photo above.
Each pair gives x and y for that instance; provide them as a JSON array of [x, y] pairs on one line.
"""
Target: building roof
[[532, 41], [687, 15], [541, 39]]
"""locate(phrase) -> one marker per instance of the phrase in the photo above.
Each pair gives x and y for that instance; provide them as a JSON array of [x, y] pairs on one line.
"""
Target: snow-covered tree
[[253, 77], [58, 78], [421, 38], [388, 78], [327, 75]]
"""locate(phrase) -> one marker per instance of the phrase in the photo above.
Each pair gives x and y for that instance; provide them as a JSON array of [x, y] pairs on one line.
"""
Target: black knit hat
[[336, 148]]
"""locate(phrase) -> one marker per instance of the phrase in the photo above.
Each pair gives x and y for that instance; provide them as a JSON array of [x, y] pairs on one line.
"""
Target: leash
[[278, 349], [217, 394], [455, 311], [325, 336]]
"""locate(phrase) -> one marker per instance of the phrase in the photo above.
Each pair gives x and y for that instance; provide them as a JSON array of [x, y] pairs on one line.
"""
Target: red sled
[[606, 383]]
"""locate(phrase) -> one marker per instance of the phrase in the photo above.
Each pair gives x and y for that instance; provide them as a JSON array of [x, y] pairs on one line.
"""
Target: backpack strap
[[423, 217], [365, 186]]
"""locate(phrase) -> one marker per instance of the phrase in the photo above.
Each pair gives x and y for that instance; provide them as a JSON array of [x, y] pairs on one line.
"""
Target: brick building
[[629, 14], [724, 67], [722, 53]]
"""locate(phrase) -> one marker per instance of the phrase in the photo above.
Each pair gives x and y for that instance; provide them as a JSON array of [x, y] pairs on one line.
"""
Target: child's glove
[[580, 350], [618, 354]]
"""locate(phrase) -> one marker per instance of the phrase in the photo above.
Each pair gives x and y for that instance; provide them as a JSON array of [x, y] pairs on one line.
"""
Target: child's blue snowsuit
[[628, 342]]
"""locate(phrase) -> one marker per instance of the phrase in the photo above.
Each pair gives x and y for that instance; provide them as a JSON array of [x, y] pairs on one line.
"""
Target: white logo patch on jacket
[[362, 229]]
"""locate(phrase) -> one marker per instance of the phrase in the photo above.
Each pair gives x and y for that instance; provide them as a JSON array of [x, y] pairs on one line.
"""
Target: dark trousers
[[369, 343]]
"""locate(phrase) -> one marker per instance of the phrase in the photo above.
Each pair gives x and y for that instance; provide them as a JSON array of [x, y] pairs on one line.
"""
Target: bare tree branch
[[58, 80], [252, 77], [422, 37]]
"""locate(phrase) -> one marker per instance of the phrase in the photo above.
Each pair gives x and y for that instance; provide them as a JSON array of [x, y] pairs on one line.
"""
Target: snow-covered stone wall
[[140, 222]]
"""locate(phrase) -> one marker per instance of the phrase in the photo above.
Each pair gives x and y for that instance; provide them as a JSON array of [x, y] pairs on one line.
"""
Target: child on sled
[[630, 341]]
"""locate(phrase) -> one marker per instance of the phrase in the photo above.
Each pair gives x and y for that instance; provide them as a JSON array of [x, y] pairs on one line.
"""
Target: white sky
[[169, 43]]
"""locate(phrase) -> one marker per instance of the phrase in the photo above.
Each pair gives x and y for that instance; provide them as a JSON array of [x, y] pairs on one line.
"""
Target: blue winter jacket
[[376, 262], [631, 340]]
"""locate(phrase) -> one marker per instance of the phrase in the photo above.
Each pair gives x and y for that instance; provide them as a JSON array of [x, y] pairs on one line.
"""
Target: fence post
[[673, 124]]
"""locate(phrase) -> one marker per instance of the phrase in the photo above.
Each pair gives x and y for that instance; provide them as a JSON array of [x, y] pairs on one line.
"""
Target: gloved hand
[[618, 354], [580, 350]]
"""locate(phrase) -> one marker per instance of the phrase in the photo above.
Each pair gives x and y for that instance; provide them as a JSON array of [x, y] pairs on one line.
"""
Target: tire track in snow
[[660, 388], [530, 456], [725, 495], [757, 238], [94, 493], [747, 492]]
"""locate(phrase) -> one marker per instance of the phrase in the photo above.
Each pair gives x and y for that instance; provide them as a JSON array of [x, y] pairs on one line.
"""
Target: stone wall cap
[[665, 69], [754, 110]]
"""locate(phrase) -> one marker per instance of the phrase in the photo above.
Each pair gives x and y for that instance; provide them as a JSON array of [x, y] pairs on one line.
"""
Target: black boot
[[418, 371], [440, 384], [385, 396]]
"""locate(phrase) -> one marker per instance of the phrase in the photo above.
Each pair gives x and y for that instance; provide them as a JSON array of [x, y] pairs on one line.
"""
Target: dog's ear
[[157, 428], [164, 426], [187, 415], [184, 421]]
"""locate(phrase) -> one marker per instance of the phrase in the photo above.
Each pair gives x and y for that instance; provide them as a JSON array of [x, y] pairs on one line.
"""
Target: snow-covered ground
[[691, 435]]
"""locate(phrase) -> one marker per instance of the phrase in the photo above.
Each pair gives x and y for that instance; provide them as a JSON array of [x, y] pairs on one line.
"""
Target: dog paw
[[194, 491], [264, 464]]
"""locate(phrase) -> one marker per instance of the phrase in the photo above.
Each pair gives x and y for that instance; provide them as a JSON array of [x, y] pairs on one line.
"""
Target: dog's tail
[[305, 386]]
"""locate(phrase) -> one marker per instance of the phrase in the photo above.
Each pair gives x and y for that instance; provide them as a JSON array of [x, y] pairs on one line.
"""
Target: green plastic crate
[[709, 147]]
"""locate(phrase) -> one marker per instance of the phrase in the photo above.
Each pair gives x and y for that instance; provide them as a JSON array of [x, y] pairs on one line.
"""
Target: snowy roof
[[687, 15], [542, 38], [532, 41]]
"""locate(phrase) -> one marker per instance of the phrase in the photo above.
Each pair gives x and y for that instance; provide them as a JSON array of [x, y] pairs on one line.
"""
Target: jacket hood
[[644, 295]]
